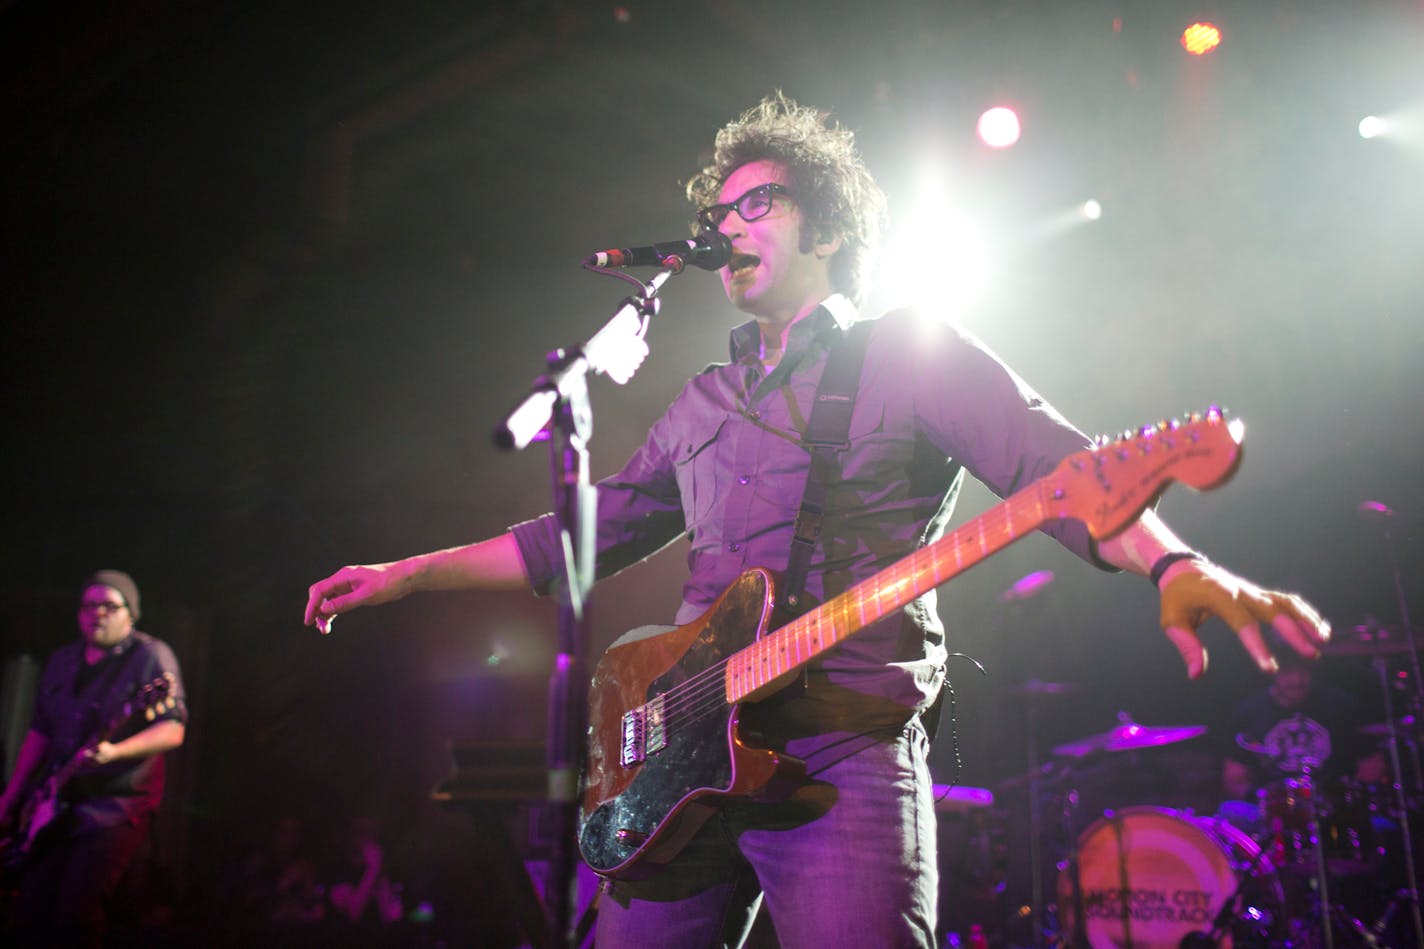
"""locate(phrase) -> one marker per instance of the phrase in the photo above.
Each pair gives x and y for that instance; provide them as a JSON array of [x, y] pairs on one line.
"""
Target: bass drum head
[[1151, 876]]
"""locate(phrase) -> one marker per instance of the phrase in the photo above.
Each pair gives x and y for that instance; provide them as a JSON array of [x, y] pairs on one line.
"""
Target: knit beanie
[[119, 581]]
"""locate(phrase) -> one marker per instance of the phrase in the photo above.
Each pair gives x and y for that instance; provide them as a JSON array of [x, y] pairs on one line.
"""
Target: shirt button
[[734, 546], [744, 480]]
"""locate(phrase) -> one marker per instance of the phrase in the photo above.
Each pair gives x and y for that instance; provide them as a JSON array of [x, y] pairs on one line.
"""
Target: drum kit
[[1313, 861]]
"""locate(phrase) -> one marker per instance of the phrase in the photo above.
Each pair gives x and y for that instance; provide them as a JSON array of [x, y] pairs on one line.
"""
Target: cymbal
[[1368, 640], [956, 799], [1040, 687], [1380, 729], [1129, 736]]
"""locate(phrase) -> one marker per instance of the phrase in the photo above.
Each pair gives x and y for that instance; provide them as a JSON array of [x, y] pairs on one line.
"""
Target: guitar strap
[[827, 435], [99, 688]]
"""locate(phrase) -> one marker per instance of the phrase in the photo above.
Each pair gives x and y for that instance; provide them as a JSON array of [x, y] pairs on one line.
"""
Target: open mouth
[[740, 263]]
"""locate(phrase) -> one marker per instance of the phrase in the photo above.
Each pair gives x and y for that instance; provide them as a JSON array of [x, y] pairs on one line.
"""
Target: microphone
[[709, 250]]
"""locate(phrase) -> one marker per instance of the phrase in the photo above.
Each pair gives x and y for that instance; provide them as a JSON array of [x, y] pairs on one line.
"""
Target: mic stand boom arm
[[557, 410]]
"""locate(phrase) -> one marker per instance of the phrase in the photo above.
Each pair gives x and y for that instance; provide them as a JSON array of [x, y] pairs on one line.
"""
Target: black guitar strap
[[827, 435], [98, 688]]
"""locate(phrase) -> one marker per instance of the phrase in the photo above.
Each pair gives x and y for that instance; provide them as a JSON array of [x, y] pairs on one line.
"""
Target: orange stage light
[[1201, 38]]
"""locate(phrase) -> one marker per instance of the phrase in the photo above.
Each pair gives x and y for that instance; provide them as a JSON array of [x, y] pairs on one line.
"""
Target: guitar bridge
[[644, 733]]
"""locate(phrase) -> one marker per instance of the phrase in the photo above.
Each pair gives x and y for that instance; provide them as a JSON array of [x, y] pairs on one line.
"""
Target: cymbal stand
[[1035, 823], [1392, 731], [1070, 835], [1401, 804], [1322, 879]]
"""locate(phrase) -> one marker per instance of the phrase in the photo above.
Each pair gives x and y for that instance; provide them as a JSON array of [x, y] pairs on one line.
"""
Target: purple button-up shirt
[[726, 466]]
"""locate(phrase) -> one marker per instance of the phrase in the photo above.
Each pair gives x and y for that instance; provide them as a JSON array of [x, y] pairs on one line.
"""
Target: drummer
[[1298, 728]]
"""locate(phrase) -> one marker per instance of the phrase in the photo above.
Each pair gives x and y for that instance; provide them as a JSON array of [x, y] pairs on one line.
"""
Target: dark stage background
[[273, 271]]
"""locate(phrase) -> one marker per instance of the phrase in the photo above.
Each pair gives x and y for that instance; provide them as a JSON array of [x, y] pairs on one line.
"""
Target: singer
[[847, 857]]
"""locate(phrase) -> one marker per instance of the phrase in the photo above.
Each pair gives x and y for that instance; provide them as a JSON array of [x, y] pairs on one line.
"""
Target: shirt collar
[[835, 310]]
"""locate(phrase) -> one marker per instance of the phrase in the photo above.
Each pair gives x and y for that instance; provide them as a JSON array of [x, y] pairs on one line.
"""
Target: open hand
[[1194, 591]]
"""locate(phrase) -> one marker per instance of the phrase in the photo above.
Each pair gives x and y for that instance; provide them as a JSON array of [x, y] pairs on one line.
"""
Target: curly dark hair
[[835, 191]]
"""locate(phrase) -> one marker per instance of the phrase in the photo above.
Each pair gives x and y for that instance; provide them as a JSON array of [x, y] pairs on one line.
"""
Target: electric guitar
[[666, 744], [47, 803]]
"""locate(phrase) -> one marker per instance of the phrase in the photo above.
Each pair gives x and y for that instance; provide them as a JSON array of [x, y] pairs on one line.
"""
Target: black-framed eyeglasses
[[101, 606], [753, 204]]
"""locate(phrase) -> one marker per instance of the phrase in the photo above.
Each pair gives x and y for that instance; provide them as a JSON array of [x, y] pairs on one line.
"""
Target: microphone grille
[[718, 250]]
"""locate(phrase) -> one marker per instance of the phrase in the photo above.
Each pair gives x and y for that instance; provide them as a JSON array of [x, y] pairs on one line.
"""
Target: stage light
[[1201, 38], [937, 258], [1372, 126], [999, 127], [1091, 210]]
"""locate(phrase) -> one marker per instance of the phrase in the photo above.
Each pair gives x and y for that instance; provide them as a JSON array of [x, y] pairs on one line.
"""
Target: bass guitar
[[666, 745], [46, 802]]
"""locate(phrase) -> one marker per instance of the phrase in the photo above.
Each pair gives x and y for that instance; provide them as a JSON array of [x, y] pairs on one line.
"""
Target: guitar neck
[[765, 665]]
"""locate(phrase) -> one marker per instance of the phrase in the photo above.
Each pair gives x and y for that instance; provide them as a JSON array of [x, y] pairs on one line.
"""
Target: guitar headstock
[[155, 698], [1108, 486]]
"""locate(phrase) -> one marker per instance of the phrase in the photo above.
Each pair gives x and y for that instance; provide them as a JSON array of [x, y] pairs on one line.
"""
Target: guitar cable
[[954, 747]]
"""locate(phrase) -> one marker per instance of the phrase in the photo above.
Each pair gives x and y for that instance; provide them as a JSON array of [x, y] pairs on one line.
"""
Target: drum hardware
[[1210, 939], [1368, 640], [1403, 726], [1035, 691], [1156, 878], [1307, 822], [958, 799], [1392, 743], [1381, 516], [1128, 736]]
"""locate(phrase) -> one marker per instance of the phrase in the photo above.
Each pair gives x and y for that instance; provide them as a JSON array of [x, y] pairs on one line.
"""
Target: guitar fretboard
[[765, 664]]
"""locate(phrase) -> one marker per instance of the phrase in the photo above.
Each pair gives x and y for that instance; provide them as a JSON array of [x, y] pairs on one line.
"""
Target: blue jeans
[[847, 860]]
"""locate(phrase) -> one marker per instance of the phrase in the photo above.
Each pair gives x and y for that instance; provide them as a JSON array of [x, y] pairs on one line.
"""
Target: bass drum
[[1151, 876]]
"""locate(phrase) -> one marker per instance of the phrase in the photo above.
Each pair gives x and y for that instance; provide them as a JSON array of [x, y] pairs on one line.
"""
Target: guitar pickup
[[644, 733]]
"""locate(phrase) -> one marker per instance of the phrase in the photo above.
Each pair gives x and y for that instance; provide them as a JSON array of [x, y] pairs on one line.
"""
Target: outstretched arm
[[494, 564], [1193, 590]]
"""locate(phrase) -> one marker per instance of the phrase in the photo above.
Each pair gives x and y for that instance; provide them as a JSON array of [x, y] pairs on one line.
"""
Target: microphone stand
[[557, 410]]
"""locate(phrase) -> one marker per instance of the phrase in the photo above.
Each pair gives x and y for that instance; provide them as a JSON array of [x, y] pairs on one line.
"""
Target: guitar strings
[[704, 692]]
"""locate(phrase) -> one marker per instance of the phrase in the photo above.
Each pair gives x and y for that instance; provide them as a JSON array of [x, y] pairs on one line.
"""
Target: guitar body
[[48, 802], [39, 813], [43, 809], [656, 773], [667, 741]]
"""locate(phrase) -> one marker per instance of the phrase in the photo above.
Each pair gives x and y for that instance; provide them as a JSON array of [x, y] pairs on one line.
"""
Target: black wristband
[[1166, 560]]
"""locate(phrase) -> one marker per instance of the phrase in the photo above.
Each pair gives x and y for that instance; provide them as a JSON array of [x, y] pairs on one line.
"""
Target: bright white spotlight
[[1091, 210], [1371, 126], [999, 127], [937, 258]]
